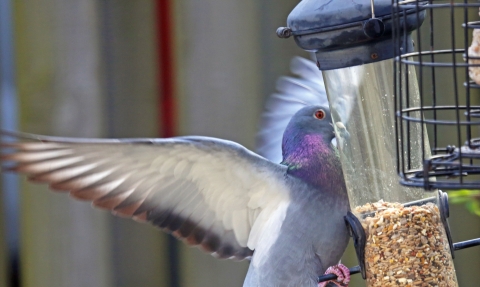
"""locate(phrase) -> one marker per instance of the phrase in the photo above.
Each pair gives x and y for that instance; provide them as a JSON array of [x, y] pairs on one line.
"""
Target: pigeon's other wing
[[206, 191], [293, 94]]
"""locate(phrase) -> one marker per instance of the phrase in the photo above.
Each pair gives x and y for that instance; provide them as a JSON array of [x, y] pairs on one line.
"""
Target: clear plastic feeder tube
[[363, 102], [406, 240]]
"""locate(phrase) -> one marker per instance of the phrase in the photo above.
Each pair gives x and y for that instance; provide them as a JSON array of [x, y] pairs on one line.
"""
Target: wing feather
[[206, 191]]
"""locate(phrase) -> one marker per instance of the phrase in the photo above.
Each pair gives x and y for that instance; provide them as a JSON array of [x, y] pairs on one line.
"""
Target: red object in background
[[166, 105], [166, 75]]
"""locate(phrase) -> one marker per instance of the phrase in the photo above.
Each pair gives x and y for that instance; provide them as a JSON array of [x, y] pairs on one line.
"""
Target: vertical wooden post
[[128, 34], [64, 242], [219, 79]]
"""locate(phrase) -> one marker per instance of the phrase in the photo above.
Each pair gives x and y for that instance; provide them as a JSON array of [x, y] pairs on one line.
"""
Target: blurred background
[[143, 68]]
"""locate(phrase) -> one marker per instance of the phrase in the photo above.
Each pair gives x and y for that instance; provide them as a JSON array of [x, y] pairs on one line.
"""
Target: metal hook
[[372, 3]]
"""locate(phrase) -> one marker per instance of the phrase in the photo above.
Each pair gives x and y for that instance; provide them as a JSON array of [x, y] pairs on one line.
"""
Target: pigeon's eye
[[319, 114]]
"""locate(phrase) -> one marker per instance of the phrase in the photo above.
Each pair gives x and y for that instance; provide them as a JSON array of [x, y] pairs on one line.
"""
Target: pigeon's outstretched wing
[[293, 94], [206, 191]]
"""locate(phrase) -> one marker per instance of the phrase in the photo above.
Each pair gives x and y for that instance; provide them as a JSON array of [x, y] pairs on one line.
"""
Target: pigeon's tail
[[293, 94]]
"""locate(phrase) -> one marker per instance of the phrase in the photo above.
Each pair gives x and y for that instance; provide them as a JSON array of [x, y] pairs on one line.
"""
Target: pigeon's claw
[[343, 276]]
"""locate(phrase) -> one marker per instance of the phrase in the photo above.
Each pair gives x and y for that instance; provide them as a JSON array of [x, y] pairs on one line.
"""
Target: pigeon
[[286, 217]]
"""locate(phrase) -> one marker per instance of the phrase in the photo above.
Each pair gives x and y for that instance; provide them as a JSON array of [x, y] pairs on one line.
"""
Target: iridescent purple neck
[[313, 159]]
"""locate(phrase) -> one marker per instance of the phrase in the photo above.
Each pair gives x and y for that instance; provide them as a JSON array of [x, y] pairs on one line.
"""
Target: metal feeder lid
[[346, 33], [312, 15]]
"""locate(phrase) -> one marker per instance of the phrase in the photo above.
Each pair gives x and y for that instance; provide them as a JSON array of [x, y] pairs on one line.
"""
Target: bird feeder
[[447, 62], [401, 233]]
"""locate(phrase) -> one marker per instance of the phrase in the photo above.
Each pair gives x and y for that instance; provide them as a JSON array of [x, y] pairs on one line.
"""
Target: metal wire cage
[[444, 103]]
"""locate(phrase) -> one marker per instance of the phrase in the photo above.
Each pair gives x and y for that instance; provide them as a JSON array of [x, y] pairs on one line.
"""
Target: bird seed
[[406, 246]]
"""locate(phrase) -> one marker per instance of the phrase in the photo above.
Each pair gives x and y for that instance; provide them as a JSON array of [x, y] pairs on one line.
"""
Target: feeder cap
[[313, 15], [343, 33]]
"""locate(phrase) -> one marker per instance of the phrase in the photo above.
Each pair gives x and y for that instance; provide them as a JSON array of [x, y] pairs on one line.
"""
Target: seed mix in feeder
[[406, 246]]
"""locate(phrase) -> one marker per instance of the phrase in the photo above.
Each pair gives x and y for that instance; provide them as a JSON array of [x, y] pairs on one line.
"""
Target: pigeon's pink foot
[[343, 276]]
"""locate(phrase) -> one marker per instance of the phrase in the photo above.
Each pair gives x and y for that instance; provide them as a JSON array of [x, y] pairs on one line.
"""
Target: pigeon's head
[[310, 132], [311, 120]]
